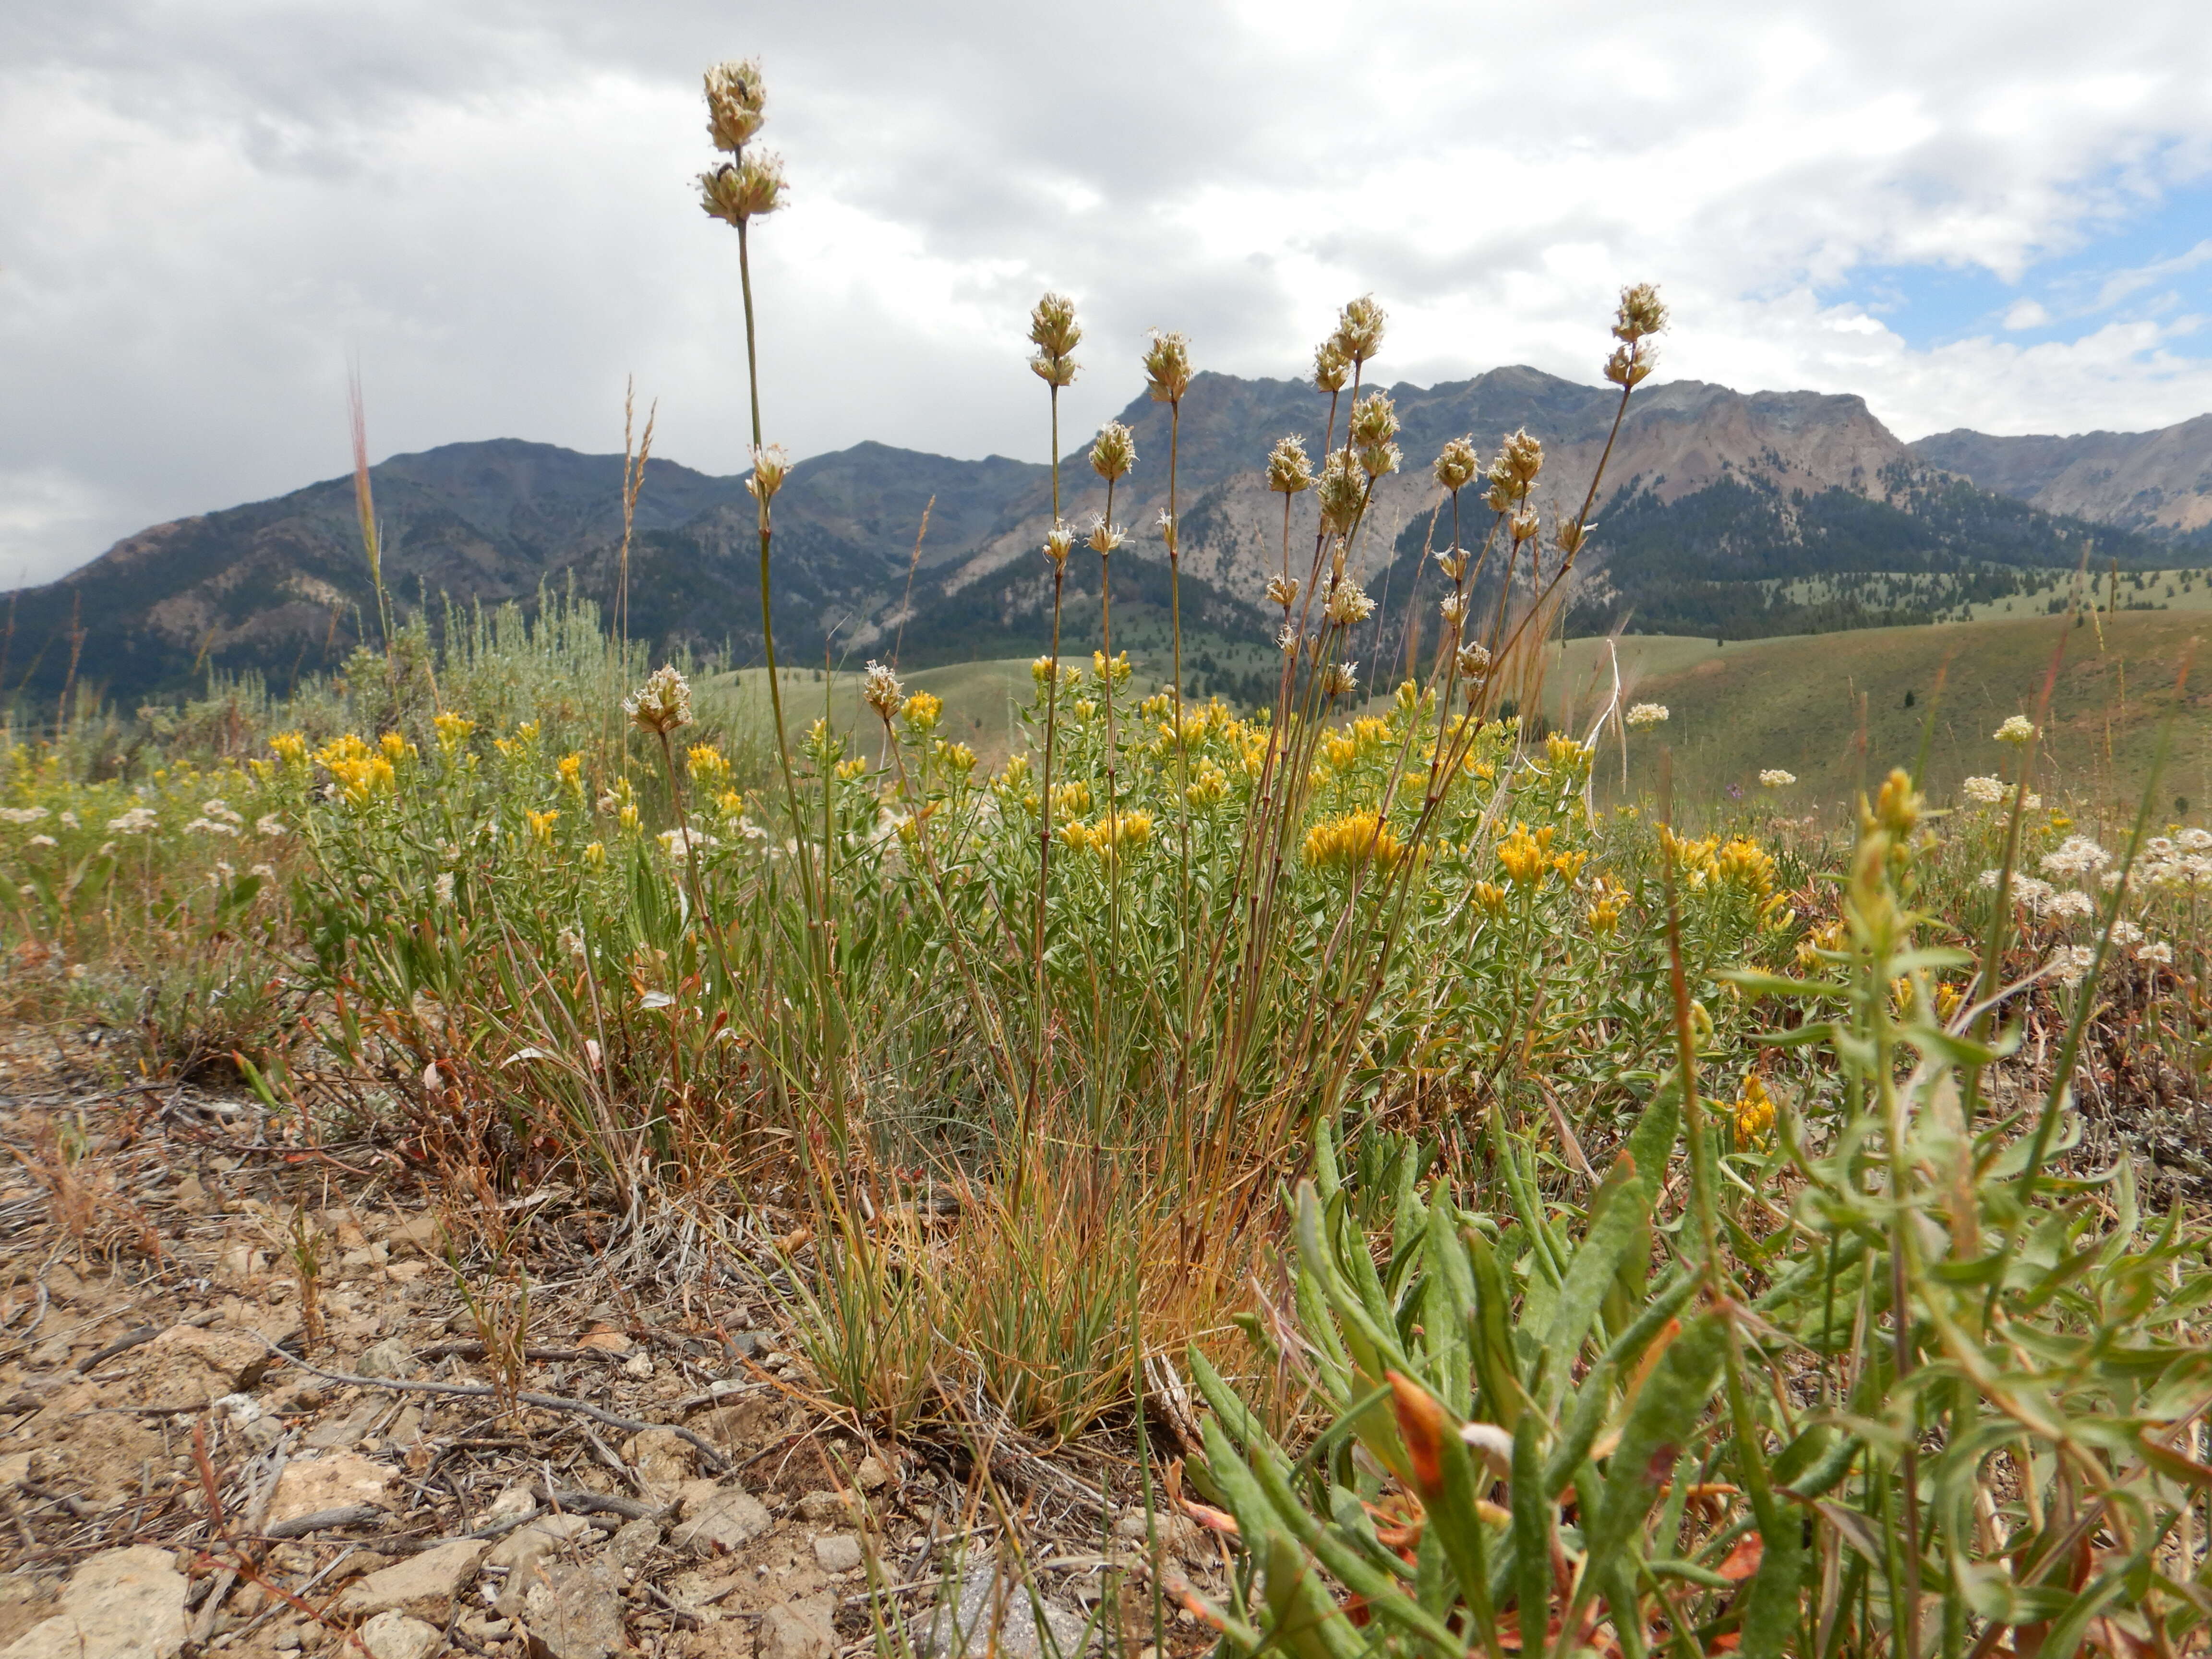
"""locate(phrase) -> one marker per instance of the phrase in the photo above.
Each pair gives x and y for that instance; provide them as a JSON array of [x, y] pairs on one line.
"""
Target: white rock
[[120, 1604], [797, 1629], [837, 1551], [395, 1636], [718, 1519]]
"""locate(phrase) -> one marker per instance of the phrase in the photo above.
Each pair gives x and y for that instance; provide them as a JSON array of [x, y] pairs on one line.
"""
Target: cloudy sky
[[1987, 215]]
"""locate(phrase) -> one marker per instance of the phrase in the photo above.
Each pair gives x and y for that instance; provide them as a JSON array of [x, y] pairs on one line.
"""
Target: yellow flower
[[595, 855], [396, 748], [1351, 841], [958, 757], [1829, 936], [571, 769], [705, 762], [1949, 999], [1606, 905], [290, 747], [1209, 787], [1120, 667], [847, 770], [1569, 865], [1525, 857], [1490, 896], [452, 731], [541, 824], [628, 817], [1565, 754], [1754, 1111], [921, 710], [348, 748], [1744, 864], [1070, 800]]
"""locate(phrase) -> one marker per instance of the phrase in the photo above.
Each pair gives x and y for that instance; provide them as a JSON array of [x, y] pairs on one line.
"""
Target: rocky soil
[[245, 1408]]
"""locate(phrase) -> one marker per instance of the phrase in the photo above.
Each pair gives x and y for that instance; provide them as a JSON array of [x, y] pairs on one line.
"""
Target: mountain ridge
[[1715, 502]]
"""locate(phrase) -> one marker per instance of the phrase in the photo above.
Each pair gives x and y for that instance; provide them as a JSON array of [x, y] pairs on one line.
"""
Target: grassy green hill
[[1836, 707]]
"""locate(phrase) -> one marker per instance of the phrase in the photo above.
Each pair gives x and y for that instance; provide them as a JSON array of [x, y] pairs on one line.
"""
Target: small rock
[[821, 1506], [717, 1519], [837, 1551], [797, 1629], [240, 1260], [634, 1543], [338, 1433], [390, 1358], [395, 1636], [187, 1368], [663, 1459], [1132, 1526], [418, 1232], [576, 1613], [119, 1604], [526, 1543], [424, 1585], [990, 1612], [873, 1476], [638, 1365]]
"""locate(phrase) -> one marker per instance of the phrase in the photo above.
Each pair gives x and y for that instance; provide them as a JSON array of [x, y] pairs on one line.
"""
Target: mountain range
[[1723, 512]]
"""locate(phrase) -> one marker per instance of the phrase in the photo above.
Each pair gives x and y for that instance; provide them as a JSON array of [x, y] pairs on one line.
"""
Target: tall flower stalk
[[1112, 455], [1167, 376]]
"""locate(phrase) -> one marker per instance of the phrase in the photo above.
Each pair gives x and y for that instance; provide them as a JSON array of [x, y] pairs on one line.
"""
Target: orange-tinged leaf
[[1421, 1426], [1743, 1560]]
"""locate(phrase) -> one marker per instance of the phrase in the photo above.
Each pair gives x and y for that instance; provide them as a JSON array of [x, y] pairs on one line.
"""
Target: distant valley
[[1725, 513]]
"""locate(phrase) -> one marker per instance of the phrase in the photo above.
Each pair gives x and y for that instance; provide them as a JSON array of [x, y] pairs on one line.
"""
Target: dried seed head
[[1522, 457], [1105, 537], [1283, 591], [1286, 640], [1454, 606], [1374, 424], [771, 465], [881, 691], [1113, 452], [1167, 367], [1359, 329], [1572, 534], [1340, 679], [1059, 543], [1474, 664], [662, 704], [1631, 366], [1457, 464], [1332, 368], [736, 102], [1342, 492], [1524, 525], [1053, 371], [1053, 329], [736, 191], [1289, 470], [1452, 561], [1641, 313], [1168, 532], [1348, 602]]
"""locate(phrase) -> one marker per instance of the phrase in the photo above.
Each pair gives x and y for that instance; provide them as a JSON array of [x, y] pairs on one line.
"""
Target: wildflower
[[571, 943], [2017, 729], [2157, 951], [1775, 778], [1113, 452], [1287, 638], [1342, 493], [2126, 932], [290, 747], [595, 855], [397, 748], [1167, 367], [1641, 313], [1564, 754], [1283, 590], [221, 875], [1525, 525], [2195, 840], [737, 103], [452, 731], [1454, 606], [1348, 602], [2070, 964], [1490, 896], [1054, 331], [679, 843], [1457, 464], [2027, 890], [1984, 792], [1359, 328], [1059, 543], [444, 887], [2077, 855], [846, 771], [1340, 679], [1374, 424], [2072, 905], [1473, 663], [21, 814], [2032, 803], [1896, 807], [662, 704], [1209, 787], [1289, 470], [68, 820], [1525, 857], [42, 840], [770, 467], [1754, 1110], [879, 689], [1352, 841], [209, 827], [1119, 668], [1610, 900], [1646, 713], [1105, 537], [269, 824], [1522, 456], [541, 824], [750, 188], [139, 819], [1070, 800], [1332, 368], [958, 757]]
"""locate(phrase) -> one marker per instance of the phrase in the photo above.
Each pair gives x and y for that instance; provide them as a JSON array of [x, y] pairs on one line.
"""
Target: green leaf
[[1664, 1417]]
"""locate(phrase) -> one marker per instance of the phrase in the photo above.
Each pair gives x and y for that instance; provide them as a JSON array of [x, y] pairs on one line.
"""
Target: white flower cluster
[[2070, 962], [1647, 713], [21, 814], [2018, 729], [209, 827], [136, 822], [2178, 861], [1984, 792], [2077, 855], [678, 843], [1775, 778]]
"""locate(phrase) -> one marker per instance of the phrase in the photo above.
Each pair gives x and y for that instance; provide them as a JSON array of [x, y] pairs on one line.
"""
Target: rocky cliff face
[[2158, 483]]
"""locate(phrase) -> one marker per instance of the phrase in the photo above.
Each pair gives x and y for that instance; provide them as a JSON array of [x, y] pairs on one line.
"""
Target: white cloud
[[489, 204], [2025, 313]]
